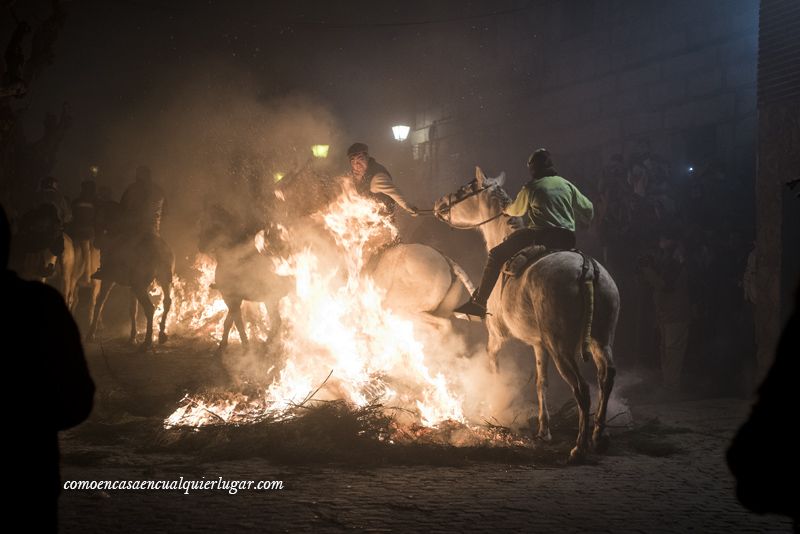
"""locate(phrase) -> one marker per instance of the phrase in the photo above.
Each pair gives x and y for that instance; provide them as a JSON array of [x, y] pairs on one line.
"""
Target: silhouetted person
[[144, 203], [667, 273], [41, 231], [763, 455], [48, 387], [141, 210], [49, 193]]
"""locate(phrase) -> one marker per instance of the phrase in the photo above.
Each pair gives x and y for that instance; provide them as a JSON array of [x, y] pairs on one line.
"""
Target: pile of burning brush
[[382, 385]]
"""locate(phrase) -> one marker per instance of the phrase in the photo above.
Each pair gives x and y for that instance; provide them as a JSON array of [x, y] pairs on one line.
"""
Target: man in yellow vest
[[549, 206]]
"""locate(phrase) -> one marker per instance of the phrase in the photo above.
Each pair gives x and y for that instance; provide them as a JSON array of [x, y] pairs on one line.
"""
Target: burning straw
[[336, 323]]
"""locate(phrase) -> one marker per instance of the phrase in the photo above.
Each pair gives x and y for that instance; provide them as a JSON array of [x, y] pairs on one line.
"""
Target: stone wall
[[590, 79]]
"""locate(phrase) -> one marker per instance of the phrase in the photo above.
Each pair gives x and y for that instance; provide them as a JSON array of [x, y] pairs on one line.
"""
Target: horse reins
[[449, 206]]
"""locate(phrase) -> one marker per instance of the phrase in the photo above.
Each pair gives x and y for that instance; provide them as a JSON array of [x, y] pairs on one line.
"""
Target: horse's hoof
[[162, 338], [544, 436], [600, 443], [144, 347], [576, 456]]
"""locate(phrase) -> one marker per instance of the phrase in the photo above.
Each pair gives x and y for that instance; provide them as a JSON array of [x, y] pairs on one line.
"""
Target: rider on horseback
[[549, 205], [371, 179], [144, 202], [142, 207]]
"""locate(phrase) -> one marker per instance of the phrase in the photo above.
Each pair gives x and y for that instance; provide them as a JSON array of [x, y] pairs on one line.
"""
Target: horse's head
[[474, 203]]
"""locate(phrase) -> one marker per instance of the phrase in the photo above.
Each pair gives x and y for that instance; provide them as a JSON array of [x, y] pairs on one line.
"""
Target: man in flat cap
[[372, 180], [549, 206]]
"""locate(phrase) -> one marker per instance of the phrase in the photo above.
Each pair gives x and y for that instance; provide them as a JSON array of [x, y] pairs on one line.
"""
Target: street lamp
[[400, 132], [320, 151]]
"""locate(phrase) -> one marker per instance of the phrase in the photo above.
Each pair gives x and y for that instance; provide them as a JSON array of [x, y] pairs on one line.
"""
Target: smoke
[[498, 398], [210, 138]]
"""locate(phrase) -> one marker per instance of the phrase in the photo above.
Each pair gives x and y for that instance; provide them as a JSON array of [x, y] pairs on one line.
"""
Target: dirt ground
[[664, 470]]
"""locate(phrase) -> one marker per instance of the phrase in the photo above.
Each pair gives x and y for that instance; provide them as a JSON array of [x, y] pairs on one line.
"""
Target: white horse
[[421, 281], [543, 307]]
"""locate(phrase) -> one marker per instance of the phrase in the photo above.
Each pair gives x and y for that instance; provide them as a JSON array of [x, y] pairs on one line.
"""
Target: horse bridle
[[447, 218]]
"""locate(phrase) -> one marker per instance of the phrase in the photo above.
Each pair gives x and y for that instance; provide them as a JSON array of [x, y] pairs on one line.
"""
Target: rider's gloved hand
[[413, 210]]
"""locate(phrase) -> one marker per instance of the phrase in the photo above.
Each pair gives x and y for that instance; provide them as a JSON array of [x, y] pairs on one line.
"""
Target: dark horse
[[135, 260], [242, 274]]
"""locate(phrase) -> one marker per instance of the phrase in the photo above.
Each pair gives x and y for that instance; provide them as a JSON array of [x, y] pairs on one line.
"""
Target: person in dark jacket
[[49, 390], [763, 454], [371, 179], [144, 203]]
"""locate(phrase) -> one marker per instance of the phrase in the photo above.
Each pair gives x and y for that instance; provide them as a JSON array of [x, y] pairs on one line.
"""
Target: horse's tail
[[588, 280], [461, 274]]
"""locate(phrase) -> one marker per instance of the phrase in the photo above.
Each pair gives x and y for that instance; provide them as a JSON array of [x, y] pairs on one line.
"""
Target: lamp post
[[320, 151], [400, 132]]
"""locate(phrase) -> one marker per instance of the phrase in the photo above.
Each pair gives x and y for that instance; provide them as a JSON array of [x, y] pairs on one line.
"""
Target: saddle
[[528, 255]]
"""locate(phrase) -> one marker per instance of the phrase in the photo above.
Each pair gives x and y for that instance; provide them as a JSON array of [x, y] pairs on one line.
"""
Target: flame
[[199, 310], [335, 325]]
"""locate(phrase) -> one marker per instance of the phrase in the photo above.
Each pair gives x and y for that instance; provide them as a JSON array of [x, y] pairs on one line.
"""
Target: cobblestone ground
[[680, 486]]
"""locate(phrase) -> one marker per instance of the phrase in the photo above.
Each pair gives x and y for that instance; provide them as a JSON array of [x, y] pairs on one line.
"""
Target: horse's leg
[[94, 285], [86, 252], [105, 290], [226, 326], [166, 288], [605, 382], [261, 319], [542, 363], [94, 290], [239, 321], [274, 319], [143, 297], [275, 324], [568, 368], [71, 283], [133, 307], [494, 343], [67, 261]]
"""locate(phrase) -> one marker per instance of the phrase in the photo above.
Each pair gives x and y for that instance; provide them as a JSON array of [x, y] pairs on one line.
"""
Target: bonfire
[[340, 341]]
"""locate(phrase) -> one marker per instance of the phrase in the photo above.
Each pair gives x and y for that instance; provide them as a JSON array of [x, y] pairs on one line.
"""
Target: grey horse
[[543, 307]]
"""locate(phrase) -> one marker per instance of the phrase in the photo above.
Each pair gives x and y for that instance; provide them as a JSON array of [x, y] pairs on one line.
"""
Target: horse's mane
[[498, 193]]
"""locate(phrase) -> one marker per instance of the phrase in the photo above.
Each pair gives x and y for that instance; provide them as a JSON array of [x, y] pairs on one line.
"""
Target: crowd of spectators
[[677, 241]]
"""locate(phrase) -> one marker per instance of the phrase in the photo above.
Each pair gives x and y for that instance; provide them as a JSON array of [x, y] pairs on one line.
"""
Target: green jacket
[[551, 201]]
